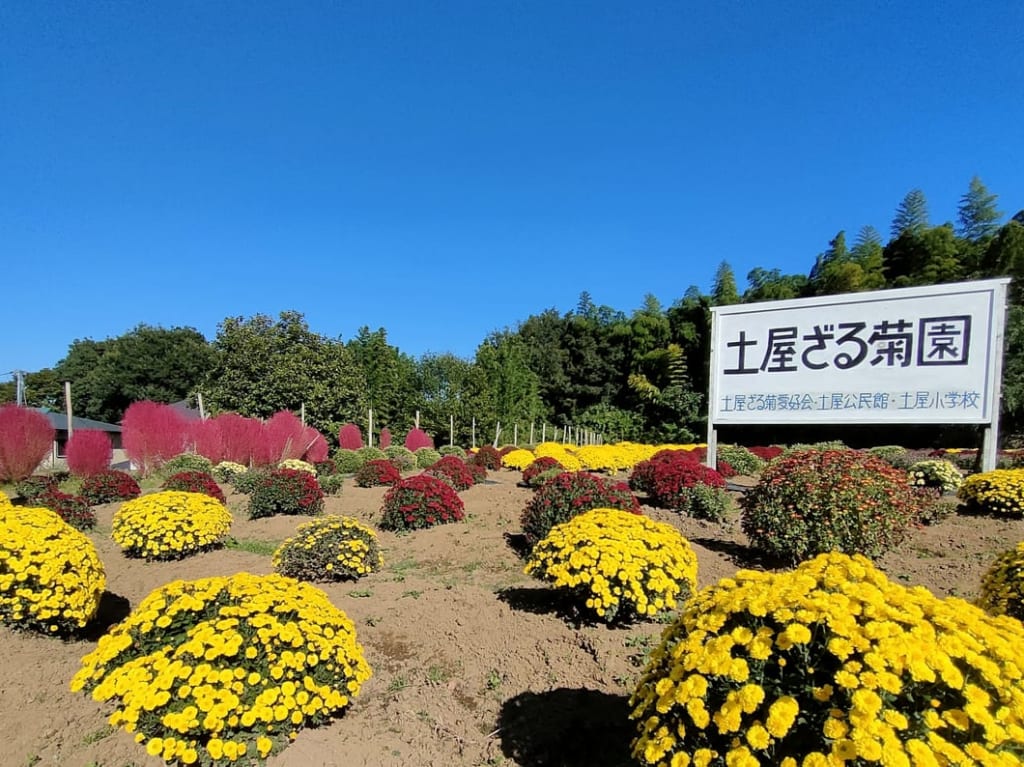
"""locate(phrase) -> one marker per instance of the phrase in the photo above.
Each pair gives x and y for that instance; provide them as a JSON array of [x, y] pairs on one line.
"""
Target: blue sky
[[445, 169]]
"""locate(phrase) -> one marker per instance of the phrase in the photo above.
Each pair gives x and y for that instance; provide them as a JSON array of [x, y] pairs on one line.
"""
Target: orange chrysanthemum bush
[[827, 664], [226, 670], [51, 578], [620, 566], [1002, 586], [815, 501]]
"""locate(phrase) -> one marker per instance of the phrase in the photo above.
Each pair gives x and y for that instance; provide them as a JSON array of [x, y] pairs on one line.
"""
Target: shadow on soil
[[542, 601], [739, 554], [113, 609], [518, 543], [566, 728]]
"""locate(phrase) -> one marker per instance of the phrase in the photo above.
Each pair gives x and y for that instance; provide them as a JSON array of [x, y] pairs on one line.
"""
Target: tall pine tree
[[977, 214]]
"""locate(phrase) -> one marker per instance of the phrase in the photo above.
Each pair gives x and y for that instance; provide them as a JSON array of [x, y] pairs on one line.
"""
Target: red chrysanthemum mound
[[671, 479], [109, 487], [641, 479], [195, 482], [73, 509], [419, 502], [570, 493], [376, 473], [454, 470], [538, 467], [286, 491], [488, 457]]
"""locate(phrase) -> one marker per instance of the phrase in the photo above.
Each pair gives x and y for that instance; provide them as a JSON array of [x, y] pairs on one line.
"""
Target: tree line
[[640, 376]]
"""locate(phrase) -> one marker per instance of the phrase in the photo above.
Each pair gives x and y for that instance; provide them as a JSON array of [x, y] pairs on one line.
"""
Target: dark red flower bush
[[488, 457], [766, 453], [26, 438], [453, 469], [417, 438], [350, 437], [688, 487], [108, 487], [814, 501], [570, 493], [419, 502], [30, 488], [195, 482], [89, 451], [73, 509], [726, 469], [476, 471], [377, 472], [641, 479], [286, 491], [540, 466]]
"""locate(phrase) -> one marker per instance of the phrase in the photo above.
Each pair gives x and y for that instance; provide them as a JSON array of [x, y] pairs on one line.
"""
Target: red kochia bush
[[283, 436], [316, 445], [417, 438], [152, 433], [89, 451], [26, 438], [455, 470], [195, 482], [418, 502], [571, 493], [377, 472], [239, 435], [109, 486], [207, 440], [385, 438], [350, 437]]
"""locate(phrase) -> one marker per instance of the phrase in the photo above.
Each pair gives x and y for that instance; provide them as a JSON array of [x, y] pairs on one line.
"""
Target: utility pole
[[19, 386]]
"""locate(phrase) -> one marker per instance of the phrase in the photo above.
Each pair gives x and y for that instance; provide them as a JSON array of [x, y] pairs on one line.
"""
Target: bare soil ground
[[474, 663]]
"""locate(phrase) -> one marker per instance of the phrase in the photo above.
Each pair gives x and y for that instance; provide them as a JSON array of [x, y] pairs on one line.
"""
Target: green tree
[[911, 214], [668, 403], [511, 388], [773, 285], [977, 214], [451, 387], [723, 289], [42, 389], [154, 363], [262, 366], [1005, 257], [389, 378]]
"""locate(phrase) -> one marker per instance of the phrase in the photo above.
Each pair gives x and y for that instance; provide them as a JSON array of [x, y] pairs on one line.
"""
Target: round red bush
[[286, 491], [488, 457], [570, 493], [89, 451], [195, 482], [453, 469], [671, 481], [766, 453], [641, 479], [478, 472], [419, 502], [540, 466], [108, 487], [73, 509], [377, 472]]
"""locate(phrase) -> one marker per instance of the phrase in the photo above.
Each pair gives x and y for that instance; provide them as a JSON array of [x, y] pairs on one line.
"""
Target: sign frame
[[993, 291]]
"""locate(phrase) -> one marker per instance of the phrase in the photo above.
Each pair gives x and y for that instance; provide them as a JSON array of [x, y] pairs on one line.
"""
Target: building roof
[[60, 421], [186, 411]]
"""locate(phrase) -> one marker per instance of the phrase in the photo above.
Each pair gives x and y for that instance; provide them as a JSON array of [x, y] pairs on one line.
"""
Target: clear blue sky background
[[445, 169]]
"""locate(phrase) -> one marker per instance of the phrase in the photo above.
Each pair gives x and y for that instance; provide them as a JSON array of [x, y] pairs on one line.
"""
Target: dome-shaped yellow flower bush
[[995, 492], [1002, 586], [559, 452], [226, 471], [622, 565], [218, 670], [170, 525], [518, 459], [51, 578], [942, 475], [298, 465], [831, 663], [330, 548]]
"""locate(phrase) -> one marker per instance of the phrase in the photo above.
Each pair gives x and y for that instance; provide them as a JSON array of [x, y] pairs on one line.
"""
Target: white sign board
[[912, 355]]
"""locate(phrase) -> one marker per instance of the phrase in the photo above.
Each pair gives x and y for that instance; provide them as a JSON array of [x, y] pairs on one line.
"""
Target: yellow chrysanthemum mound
[[831, 663], [219, 670], [621, 565], [170, 525], [298, 464], [51, 578], [559, 452], [518, 459], [995, 492], [1002, 587], [329, 549]]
